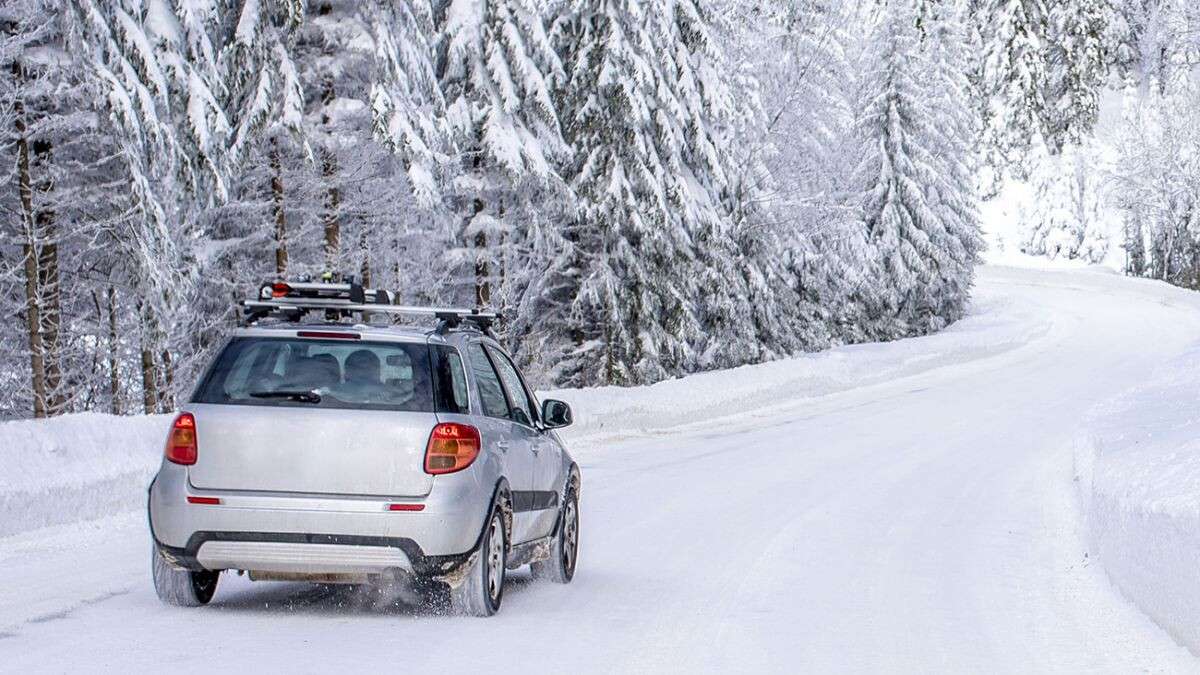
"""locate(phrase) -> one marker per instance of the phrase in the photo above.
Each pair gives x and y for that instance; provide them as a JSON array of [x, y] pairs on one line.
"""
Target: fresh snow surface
[[97, 464], [900, 507], [1138, 467]]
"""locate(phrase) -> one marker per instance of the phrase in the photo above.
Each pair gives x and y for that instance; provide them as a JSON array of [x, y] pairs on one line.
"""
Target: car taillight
[[452, 447], [181, 442], [280, 290]]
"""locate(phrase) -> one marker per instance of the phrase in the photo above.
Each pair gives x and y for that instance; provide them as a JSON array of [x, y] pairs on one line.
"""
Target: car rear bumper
[[300, 557], [315, 534], [283, 553]]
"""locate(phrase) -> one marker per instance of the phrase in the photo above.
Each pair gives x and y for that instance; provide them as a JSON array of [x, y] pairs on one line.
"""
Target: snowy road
[[926, 522]]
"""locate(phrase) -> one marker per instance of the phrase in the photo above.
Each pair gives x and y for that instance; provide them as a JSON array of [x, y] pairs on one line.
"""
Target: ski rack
[[291, 301]]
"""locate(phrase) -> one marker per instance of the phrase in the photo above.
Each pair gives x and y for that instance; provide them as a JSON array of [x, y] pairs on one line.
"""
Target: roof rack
[[338, 299]]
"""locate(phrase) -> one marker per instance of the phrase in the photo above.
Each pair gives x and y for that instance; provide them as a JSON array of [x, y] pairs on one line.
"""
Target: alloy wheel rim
[[570, 536], [495, 560]]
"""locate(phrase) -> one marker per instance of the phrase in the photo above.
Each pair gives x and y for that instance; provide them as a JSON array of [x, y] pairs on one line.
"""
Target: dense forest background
[[645, 188]]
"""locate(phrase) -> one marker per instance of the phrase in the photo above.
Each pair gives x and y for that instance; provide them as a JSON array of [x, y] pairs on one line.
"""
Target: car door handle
[[503, 445]]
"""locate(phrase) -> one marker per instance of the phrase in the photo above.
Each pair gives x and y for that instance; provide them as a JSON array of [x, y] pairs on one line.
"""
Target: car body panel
[[550, 475], [313, 450]]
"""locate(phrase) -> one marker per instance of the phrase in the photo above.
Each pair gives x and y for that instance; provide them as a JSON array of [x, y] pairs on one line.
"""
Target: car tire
[[181, 588], [482, 592], [564, 550]]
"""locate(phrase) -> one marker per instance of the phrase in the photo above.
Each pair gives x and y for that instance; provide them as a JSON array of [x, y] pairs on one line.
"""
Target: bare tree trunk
[[366, 261], [502, 276], [149, 381], [329, 169], [52, 323], [167, 389], [149, 388], [95, 352], [33, 315], [483, 287], [1168, 252], [164, 371], [48, 282], [333, 200], [281, 251], [114, 374]]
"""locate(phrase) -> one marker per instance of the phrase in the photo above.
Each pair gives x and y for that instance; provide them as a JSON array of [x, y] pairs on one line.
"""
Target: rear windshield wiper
[[293, 395]]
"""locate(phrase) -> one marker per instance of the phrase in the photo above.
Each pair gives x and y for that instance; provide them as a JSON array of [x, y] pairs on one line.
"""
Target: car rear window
[[278, 372]]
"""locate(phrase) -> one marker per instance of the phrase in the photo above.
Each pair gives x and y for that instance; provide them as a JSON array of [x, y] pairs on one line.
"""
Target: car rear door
[[336, 452], [541, 502], [360, 438], [501, 432]]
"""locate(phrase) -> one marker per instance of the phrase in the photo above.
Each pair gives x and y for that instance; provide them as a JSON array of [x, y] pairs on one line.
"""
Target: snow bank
[[75, 467], [1138, 470], [998, 322]]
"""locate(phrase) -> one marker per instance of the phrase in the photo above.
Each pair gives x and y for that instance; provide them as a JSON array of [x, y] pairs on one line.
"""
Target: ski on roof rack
[[338, 299]]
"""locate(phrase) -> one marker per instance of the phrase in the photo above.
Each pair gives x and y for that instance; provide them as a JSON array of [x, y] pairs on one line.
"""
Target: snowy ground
[[1138, 463], [902, 507]]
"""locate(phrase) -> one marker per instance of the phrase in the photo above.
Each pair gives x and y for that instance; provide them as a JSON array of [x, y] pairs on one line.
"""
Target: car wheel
[[564, 551], [182, 588], [482, 591]]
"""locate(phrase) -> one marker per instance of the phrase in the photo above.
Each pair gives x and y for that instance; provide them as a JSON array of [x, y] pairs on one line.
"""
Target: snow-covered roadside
[[998, 322], [77, 467], [1138, 473]]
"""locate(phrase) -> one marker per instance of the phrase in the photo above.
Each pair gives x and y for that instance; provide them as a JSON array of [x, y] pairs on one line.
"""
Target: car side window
[[522, 406], [449, 381], [491, 394]]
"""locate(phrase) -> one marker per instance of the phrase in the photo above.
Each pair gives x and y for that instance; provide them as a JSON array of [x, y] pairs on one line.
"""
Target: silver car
[[356, 453]]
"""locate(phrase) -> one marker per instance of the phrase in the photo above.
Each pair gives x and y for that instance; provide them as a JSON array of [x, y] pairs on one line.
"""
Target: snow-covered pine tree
[[406, 100], [1044, 66], [317, 93], [632, 316], [333, 55], [806, 78], [409, 115], [774, 317], [918, 200], [1081, 54], [265, 100], [247, 235], [497, 68], [161, 63], [264, 92], [1124, 35], [958, 130], [31, 43], [1015, 79], [157, 64], [1157, 183], [699, 103], [1066, 218]]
